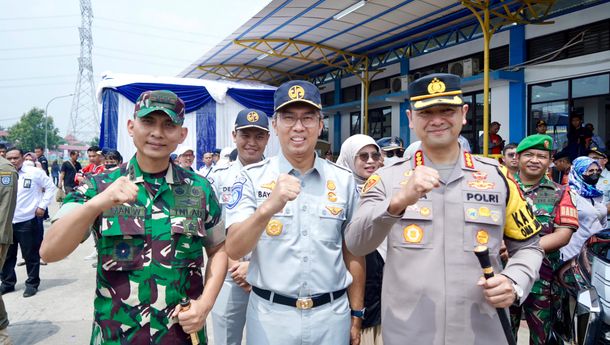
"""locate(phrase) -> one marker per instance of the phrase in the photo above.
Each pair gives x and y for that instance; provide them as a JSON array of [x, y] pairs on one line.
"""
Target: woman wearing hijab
[[360, 153], [592, 211]]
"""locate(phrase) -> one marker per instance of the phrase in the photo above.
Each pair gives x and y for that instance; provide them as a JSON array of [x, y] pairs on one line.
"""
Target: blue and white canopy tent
[[211, 108]]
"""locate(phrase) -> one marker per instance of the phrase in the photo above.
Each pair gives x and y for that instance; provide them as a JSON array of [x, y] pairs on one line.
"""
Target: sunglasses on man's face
[[392, 153], [365, 156]]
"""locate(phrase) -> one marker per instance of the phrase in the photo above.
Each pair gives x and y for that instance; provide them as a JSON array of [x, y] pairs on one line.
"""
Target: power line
[[160, 28], [39, 47], [142, 54], [147, 35], [36, 57], [41, 17], [40, 29], [38, 77], [137, 60], [32, 85]]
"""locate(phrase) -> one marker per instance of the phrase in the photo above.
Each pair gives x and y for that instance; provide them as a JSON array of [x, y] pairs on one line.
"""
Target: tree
[[29, 131], [95, 142]]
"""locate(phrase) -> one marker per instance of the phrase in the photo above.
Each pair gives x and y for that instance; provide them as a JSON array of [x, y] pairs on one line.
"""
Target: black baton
[[482, 254]]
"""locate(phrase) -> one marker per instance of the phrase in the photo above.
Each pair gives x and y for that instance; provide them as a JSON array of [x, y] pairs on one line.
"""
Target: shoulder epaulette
[[487, 160]]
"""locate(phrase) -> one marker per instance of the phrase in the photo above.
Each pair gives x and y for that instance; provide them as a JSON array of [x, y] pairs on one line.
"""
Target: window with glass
[[474, 119], [380, 122], [555, 101]]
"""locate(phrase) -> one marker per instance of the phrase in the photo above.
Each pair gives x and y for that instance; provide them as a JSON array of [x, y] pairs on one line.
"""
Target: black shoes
[[29, 291], [4, 289]]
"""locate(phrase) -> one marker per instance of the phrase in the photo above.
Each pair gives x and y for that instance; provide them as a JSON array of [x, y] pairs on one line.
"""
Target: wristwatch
[[518, 293], [358, 313]]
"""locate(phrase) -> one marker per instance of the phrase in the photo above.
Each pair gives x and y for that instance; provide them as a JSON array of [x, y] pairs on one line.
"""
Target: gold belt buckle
[[304, 303]]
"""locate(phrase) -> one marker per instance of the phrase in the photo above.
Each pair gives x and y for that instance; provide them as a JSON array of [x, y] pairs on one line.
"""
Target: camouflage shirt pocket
[[121, 253], [188, 232]]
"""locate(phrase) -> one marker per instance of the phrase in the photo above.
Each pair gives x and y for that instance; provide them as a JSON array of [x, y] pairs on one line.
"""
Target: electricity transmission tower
[[84, 118]]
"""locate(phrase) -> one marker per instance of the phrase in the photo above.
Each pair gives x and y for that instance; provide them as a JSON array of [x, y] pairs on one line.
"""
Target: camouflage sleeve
[[214, 224], [566, 215], [520, 223], [76, 199]]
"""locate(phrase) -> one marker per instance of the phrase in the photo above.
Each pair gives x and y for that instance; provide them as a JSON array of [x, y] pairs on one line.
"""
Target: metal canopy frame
[[251, 73]]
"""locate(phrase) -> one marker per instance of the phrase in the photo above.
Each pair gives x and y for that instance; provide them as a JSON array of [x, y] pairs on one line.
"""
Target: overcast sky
[[40, 44]]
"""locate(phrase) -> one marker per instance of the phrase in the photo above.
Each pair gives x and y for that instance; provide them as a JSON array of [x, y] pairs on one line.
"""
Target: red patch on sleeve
[[567, 214]]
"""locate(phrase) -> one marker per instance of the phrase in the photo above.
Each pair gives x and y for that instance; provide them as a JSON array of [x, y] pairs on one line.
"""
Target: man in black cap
[[563, 165], [290, 211], [392, 149], [250, 135], [435, 207], [541, 127], [604, 180]]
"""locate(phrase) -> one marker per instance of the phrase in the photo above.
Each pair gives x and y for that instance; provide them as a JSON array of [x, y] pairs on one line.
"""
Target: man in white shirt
[[34, 193], [208, 164]]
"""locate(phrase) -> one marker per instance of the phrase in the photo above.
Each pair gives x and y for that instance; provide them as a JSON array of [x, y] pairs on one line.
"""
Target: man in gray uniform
[[8, 199], [250, 135], [291, 211], [435, 207]]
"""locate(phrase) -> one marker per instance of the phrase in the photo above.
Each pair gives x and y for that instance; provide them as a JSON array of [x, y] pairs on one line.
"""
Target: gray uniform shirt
[[430, 276], [300, 252]]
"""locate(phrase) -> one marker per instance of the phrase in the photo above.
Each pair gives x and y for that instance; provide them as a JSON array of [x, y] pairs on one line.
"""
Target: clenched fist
[[121, 191], [423, 180], [287, 188]]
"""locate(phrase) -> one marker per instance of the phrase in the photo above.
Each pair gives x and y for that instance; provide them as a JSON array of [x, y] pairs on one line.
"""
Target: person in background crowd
[[553, 207], [233, 156], [225, 156], [8, 199], [208, 164], [44, 163], [434, 208], [596, 140], [360, 154], [95, 166], [186, 156], [216, 156], [55, 172], [592, 212], [152, 220], [328, 155], [604, 180], [392, 149], [293, 224], [575, 131], [496, 143], [2, 150], [35, 192], [250, 135], [510, 159], [112, 159], [563, 165], [30, 160], [541, 127]]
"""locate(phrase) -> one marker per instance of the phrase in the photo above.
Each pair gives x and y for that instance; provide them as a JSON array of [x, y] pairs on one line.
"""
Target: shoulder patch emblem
[[370, 183], [468, 163], [6, 180], [236, 194], [482, 237]]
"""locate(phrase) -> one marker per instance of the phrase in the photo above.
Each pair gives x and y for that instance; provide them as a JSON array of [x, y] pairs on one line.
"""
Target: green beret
[[536, 141]]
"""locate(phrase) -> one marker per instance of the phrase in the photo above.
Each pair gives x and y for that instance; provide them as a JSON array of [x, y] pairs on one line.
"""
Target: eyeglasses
[[308, 121], [391, 153], [365, 156]]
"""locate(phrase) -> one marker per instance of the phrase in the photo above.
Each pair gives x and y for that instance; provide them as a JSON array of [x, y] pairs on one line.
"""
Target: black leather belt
[[299, 303]]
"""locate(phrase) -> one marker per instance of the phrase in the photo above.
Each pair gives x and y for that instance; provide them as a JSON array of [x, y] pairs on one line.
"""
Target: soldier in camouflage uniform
[[152, 219], [555, 211]]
